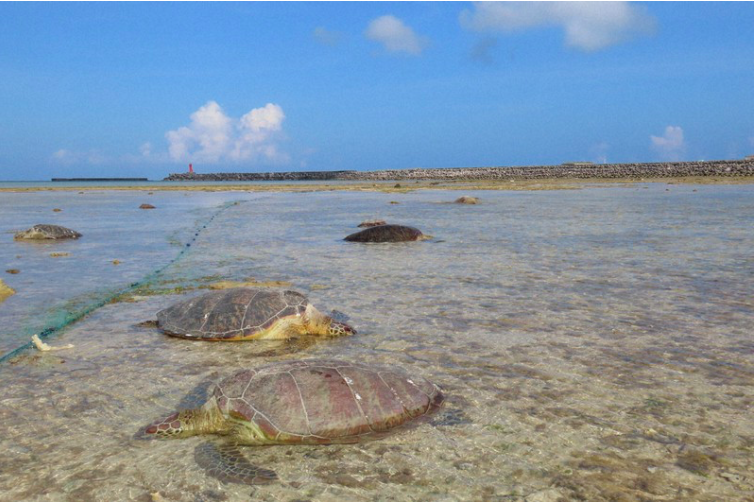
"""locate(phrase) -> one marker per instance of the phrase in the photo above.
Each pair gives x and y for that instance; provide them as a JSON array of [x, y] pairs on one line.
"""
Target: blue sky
[[142, 89]]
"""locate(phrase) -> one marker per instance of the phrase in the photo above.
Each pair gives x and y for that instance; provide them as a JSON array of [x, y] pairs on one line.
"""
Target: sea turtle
[[42, 232], [466, 199], [248, 313], [387, 233], [298, 402]]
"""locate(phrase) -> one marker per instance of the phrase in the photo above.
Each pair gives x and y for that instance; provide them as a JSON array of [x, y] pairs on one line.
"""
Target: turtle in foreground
[[387, 233], [248, 313], [47, 232], [298, 402]]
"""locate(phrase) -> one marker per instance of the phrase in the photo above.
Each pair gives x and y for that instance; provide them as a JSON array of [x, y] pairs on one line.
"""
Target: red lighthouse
[[191, 169]]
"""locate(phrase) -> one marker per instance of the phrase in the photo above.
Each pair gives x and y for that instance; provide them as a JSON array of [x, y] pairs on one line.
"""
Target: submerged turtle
[[42, 232], [298, 402], [387, 233], [248, 313]]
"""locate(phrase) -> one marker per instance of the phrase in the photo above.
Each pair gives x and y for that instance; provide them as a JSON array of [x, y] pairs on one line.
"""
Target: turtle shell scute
[[326, 401]]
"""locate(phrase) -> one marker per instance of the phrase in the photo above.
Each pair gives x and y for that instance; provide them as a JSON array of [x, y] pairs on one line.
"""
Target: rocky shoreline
[[728, 168]]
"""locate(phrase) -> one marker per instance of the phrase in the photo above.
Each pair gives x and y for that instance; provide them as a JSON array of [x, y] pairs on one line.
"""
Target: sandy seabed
[[400, 186], [594, 344]]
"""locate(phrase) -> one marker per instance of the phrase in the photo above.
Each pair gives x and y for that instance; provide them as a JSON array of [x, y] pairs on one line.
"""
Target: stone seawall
[[648, 170], [283, 176]]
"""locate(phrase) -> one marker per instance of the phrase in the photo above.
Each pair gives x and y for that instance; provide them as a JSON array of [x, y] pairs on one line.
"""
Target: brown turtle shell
[[386, 233], [47, 232], [325, 401], [466, 199], [230, 314]]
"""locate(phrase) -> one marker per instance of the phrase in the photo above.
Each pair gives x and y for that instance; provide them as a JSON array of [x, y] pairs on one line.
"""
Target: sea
[[593, 343]]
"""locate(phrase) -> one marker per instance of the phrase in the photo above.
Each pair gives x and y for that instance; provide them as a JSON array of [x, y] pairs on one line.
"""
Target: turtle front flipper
[[225, 462]]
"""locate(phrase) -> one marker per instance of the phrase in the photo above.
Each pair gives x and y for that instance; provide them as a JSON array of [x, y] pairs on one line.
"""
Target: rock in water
[[5, 291]]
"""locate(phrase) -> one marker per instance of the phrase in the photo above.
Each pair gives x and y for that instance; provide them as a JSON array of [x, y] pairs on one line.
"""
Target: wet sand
[[403, 185]]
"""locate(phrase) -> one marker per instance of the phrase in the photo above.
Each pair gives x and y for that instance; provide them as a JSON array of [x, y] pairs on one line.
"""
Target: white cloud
[[395, 35], [256, 134], [588, 26], [205, 139], [212, 136], [671, 145]]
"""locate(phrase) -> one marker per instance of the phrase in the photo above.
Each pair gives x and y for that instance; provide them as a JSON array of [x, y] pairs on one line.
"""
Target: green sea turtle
[[466, 199], [248, 313], [298, 402], [45, 232], [387, 233]]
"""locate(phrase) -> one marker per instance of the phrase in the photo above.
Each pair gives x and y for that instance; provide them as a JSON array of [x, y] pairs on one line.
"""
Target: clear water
[[150, 184], [593, 344], [57, 278]]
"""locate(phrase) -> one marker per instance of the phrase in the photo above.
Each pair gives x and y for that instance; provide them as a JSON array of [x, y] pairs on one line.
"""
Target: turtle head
[[179, 424], [318, 323], [340, 329]]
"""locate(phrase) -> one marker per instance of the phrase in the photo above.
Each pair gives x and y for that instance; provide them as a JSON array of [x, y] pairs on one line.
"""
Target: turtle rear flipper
[[225, 462]]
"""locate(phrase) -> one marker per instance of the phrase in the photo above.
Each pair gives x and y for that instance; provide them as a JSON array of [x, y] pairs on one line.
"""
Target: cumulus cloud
[[588, 26], [395, 35], [671, 145], [326, 37], [212, 136]]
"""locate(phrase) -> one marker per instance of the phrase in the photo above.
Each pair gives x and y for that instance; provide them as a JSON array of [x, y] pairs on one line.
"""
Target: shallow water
[[54, 278], [594, 344]]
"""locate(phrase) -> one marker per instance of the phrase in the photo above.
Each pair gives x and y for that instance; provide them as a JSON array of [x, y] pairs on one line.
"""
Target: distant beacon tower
[[191, 169]]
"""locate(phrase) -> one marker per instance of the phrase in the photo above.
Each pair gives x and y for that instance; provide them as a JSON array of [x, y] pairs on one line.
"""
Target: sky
[[143, 89]]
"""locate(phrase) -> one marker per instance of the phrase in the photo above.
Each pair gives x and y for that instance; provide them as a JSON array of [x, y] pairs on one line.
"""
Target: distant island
[[738, 168]]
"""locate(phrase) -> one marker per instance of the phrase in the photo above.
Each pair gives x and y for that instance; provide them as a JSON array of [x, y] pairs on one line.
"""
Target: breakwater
[[99, 179], [733, 168], [282, 176]]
